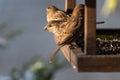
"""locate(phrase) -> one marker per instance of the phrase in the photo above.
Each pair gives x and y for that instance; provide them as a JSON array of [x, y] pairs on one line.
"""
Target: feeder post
[[90, 27], [69, 5]]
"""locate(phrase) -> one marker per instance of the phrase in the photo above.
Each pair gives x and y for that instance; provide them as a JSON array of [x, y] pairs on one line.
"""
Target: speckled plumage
[[55, 14], [73, 28]]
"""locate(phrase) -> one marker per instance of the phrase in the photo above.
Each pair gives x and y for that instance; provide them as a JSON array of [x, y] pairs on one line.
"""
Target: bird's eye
[[50, 26], [48, 7]]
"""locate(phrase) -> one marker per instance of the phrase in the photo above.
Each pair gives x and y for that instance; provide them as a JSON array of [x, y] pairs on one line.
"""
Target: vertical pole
[[69, 5], [90, 27]]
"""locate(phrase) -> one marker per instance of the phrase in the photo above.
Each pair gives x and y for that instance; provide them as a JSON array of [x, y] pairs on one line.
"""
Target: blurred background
[[24, 44]]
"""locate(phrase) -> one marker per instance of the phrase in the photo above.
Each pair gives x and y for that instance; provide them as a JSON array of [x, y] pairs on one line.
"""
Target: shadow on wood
[[89, 61], [92, 63]]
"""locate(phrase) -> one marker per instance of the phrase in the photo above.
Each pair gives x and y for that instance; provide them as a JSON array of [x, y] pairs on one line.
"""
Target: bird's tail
[[55, 53]]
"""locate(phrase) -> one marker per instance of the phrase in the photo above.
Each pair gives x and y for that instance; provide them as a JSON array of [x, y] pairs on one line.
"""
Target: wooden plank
[[98, 60], [88, 62], [71, 54], [90, 27], [99, 69], [69, 5], [91, 63], [99, 63]]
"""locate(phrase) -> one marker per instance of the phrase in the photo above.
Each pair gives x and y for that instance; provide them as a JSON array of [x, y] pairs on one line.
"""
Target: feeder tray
[[88, 60]]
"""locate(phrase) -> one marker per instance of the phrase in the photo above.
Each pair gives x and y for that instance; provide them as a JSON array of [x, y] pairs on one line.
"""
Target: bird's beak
[[45, 28]]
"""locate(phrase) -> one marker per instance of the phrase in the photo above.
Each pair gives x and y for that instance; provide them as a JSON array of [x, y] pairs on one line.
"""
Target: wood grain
[[90, 62], [69, 5], [90, 27]]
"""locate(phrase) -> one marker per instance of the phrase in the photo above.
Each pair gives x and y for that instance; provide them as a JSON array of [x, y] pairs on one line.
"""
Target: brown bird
[[56, 27], [55, 14], [73, 28]]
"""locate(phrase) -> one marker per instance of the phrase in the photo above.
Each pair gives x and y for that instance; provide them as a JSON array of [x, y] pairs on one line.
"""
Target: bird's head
[[51, 27], [47, 27], [51, 8], [78, 10]]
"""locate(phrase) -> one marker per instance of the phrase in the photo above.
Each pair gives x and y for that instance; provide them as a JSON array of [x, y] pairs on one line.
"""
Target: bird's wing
[[71, 26], [60, 16], [68, 34]]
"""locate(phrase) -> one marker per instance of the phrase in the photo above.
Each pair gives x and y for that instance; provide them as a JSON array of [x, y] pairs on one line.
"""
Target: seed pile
[[106, 47], [107, 42]]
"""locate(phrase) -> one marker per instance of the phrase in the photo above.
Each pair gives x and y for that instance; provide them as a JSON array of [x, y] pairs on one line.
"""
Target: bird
[[56, 27], [73, 28], [55, 14], [74, 25]]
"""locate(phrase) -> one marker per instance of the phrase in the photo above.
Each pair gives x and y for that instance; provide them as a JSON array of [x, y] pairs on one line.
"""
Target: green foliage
[[9, 35], [110, 37], [2, 26], [15, 74], [40, 68], [13, 33]]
